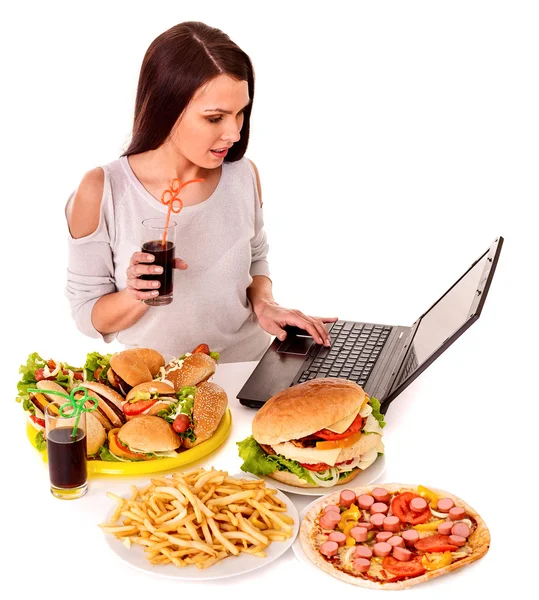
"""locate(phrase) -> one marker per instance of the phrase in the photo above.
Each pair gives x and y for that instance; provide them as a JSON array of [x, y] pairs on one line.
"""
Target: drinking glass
[[154, 232]]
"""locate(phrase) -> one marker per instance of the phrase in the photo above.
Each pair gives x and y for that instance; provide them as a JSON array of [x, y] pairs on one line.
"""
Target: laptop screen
[[445, 320]]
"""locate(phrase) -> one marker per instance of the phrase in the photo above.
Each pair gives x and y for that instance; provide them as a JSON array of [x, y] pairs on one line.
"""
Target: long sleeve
[[90, 273]]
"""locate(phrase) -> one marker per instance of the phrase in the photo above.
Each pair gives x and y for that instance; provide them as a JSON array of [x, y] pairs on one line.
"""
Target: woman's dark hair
[[175, 65]]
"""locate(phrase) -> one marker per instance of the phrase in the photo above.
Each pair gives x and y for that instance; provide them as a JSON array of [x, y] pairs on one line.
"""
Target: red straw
[[172, 192]]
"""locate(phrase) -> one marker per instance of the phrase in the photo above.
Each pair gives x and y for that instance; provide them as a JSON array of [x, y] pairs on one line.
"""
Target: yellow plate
[[101, 467]]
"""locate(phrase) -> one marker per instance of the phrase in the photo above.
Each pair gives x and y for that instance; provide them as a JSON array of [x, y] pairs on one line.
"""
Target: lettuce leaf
[[186, 402], [256, 461], [375, 404], [40, 441], [28, 379], [104, 454], [215, 355], [94, 360]]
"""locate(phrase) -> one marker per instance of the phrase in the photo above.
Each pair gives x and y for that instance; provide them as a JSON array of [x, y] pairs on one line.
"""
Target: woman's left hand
[[273, 318]]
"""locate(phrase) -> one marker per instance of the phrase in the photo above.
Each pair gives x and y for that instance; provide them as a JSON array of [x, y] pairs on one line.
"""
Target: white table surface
[[437, 434]]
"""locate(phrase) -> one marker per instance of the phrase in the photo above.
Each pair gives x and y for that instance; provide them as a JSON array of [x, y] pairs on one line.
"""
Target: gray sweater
[[221, 239]]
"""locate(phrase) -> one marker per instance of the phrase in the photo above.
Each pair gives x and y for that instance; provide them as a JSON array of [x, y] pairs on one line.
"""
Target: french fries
[[200, 517]]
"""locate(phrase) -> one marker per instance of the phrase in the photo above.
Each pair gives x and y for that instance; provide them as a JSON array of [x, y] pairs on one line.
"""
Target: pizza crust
[[479, 540]]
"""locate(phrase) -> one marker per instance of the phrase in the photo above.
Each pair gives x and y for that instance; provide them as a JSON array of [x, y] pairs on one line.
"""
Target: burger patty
[[267, 449]]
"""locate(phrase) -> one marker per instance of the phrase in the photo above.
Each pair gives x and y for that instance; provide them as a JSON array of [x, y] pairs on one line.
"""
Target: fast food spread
[[392, 536], [199, 518], [319, 433], [146, 409]]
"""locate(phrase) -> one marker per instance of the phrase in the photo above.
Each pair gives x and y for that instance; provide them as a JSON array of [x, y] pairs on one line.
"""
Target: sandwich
[[319, 433], [95, 432], [197, 413], [143, 438], [109, 404], [132, 367], [191, 368], [37, 369], [148, 398]]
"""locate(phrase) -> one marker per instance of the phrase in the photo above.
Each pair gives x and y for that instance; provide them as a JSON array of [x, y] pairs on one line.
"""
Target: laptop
[[382, 359]]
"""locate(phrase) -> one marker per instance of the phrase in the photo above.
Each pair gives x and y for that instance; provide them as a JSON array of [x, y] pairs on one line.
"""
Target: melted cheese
[[307, 455], [342, 425]]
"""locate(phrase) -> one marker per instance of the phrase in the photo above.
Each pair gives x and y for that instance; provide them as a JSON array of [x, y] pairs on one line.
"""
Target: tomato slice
[[318, 467], [434, 543], [400, 505], [37, 420], [202, 348], [135, 408], [326, 434], [116, 447], [410, 568]]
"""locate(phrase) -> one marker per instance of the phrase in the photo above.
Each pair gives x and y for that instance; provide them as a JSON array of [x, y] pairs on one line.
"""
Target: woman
[[192, 114]]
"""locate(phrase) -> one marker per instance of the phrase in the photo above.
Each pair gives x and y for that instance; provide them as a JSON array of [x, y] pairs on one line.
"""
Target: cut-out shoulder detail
[[257, 182], [85, 206]]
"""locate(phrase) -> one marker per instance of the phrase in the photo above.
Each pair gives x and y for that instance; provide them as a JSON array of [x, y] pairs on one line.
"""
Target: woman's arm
[[116, 312], [260, 292], [111, 312]]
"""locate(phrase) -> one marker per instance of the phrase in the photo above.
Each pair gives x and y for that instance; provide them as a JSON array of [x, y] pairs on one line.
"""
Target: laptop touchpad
[[296, 345]]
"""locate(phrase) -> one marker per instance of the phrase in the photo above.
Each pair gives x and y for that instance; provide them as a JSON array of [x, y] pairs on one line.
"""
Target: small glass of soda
[[159, 239], [66, 451]]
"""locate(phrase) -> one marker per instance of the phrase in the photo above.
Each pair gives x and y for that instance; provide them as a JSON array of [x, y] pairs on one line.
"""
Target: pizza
[[392, 537]]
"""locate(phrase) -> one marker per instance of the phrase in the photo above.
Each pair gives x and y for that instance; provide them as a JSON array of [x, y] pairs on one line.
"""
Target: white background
[[395, 141]]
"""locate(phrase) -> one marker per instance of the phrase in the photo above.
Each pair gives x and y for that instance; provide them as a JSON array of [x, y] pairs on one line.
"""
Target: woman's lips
[[220, 153]]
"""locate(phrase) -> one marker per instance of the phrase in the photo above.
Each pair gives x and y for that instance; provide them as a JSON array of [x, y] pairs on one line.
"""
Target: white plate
[[228, 567], [366, 477]]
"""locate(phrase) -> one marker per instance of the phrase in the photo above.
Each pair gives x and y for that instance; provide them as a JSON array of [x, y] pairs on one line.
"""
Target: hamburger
[[143, 438], [132, 367], [197, 412], [319, 433], [149, 398], [191, 368]]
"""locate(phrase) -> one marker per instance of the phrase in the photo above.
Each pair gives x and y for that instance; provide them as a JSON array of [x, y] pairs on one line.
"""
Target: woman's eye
[[215, 119]]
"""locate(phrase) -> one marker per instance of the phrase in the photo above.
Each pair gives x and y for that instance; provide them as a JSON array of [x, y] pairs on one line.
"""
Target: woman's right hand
[[141, 264]]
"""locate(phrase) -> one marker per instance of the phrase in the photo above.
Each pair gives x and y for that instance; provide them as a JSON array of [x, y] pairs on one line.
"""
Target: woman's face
[[212, 121]]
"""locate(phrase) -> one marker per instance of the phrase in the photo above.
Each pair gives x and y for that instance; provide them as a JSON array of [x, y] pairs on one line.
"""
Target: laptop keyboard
[[355, 348]]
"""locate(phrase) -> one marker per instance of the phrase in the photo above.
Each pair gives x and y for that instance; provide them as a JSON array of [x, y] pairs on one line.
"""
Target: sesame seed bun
[[208, 410]]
